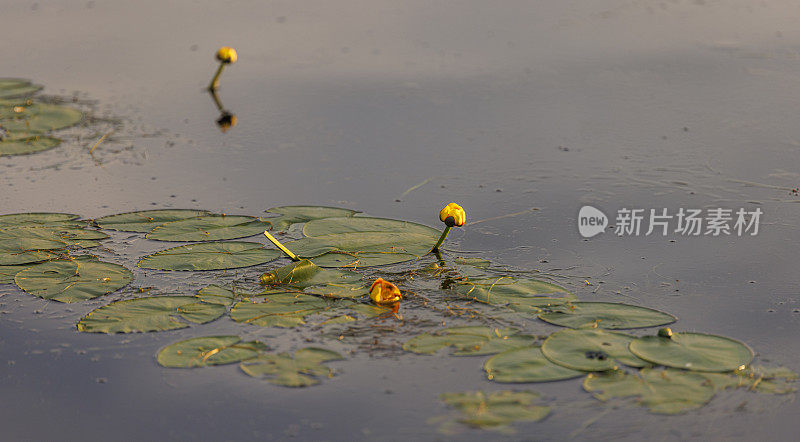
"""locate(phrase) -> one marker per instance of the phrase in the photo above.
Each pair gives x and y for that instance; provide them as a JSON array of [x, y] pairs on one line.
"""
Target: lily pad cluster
[[27, 123]]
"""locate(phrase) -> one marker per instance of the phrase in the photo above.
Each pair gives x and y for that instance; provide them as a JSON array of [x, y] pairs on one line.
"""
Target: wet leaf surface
[[21, 145], [150, 314], [22, 119], [301, 214], [210, 256], [522, 295], [469, 341], [526, 364], [606, 315], [73, 280], [278, 309], [693, 351], [302, 370], [208, 350], [209, 228], [146, 220], [590, 350]]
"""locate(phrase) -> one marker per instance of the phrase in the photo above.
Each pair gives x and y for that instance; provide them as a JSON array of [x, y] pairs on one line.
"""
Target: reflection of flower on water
[[226, 119]]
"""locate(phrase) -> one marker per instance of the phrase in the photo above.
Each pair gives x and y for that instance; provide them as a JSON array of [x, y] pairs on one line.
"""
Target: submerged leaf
[[526, 364], [606, 315], [146, 220], [210, 256], [208, 350], [482, 410], [693, 351], [208, 228], [302, 370], [73, 279], [149, 314], [590, 350], [664, 391], [469, 341]]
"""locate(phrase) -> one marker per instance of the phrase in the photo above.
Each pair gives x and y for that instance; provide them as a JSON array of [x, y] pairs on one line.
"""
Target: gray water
[[504, 108]]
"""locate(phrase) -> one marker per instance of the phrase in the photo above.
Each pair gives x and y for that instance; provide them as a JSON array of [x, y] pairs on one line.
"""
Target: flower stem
[[215, 81], [281, 247], [441, 239]]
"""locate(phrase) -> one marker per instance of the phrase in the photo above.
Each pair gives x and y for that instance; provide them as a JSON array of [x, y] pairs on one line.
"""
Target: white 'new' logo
[[591, 221]]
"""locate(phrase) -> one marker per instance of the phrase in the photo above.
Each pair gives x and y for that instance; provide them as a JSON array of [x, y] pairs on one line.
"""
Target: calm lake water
[[501, 107]]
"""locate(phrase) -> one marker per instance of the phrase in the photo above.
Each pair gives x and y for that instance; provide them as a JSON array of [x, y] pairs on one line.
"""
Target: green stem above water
[[441, 239], [215, 81]]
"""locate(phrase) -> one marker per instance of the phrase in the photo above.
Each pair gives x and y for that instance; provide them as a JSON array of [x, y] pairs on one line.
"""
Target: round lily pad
[[693, 351], [146, 220], [663, 391], [36, 218], [606, 315], [482, 410], [360, 224], [278, 309], [209, 228], [362, 249], [210, 256], [27, 145], [526, 364], [22, 118], [302, 370], [522, 295], [73, 280], [590, 350], [208, 350], [149, 314], [17, 87], [301, 214], [20, 257]]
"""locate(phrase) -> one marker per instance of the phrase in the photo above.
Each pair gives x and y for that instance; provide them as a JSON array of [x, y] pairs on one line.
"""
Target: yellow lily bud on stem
[[384, 292], [225, 55], [452, 215]]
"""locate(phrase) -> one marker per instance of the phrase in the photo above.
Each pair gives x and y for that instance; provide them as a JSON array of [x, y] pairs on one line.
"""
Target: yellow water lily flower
[[384, 292], [227, 55], [453, 215]]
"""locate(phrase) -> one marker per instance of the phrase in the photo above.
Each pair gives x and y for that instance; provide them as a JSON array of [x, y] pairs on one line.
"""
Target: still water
[[533, 107]]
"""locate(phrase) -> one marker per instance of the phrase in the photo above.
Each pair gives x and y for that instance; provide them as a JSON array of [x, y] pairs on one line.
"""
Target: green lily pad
[[209, 228], [26, 145], [522, 295], [146, 220], [770, 380], [17, 87], [210, 256], [22, 257], [304, 273], [278, 309], [37, 218], [302, 370], [7, 272], [43, 237], [340, 290], [301, 214], [590, 350], [22, 119], [215, 294], [73, 280], [693, 351], [208, 350], [329, 226], [606, 315], [361, 249], [149, 314], [469, 341], [526, 364], [663, 391], [481, 410]]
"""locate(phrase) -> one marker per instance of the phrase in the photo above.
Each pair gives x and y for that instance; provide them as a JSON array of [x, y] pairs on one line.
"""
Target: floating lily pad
[[149, 314], [210, 256], [22, 118], [329, 226], [340, 290], [469, 341], [209, 228], [301, 214], [215, 294], [526, 364], [304, 273], [302, 370], [693, 351], [278, 309], [522, 295], [17, 145], [7, 272], [606, 315], [147, 220], [208, 350], [36, 218], [361, 249], [21, 257], [663, 391], [482, 410], [17, 87], [73, 280], [770, 380], [590, 350], [44, 237]]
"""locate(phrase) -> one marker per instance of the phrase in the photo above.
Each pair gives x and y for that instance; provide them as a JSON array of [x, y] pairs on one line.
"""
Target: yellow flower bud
[[453, 215], [226, 55], [384, 292]]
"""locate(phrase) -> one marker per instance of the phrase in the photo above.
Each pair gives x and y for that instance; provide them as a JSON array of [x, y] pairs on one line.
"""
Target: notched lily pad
[[302, 370], [693, 351], [150, 314], [481, 410], [210, 256], [278, 309], [590, 350], [521, 295], [72, 280], [209, 228], [608, 315], [526, 364], [663, 391], [469, 341], [146, 220], [208, 350]]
